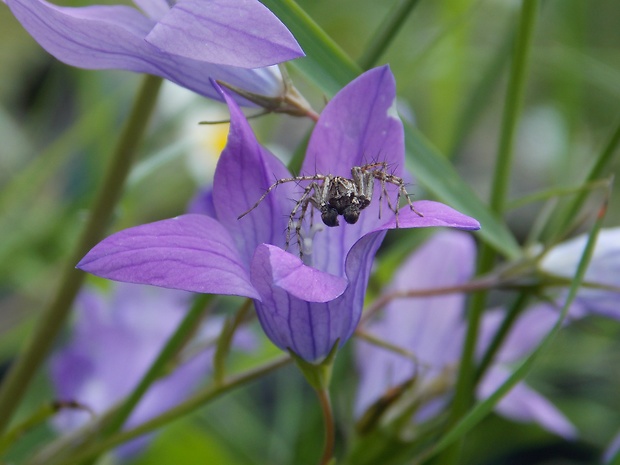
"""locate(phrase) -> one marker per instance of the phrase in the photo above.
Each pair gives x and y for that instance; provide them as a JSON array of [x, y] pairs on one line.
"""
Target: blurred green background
[[58, 124]]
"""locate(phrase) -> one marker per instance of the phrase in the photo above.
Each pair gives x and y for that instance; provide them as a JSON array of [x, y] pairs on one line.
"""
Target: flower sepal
[[290, 100], [318, 375]]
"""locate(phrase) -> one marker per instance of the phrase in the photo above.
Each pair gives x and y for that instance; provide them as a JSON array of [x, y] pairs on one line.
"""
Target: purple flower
[[603, 271], [433, 329], [188, 43], [115, 339], [303, 306]]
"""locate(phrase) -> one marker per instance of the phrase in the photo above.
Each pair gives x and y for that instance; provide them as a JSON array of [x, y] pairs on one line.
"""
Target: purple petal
[[202, 203], [311, 329], [358, 126], [273, 266], [525, 335], [191, 252], [115, 339], [524, 404], [429, 327], [613, 449], [240, 33], [244, 172], [112, 37], [604, 269], [434, 214], [154, 9]]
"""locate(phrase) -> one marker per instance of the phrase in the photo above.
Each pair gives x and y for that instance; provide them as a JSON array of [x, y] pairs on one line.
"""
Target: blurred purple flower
[[433, 329], [304, 307], [612, 453], [115, 339], [603, 270], [188, 43]]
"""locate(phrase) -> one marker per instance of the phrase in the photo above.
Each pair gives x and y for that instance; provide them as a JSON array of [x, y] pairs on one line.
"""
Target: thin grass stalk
[[53, 317]]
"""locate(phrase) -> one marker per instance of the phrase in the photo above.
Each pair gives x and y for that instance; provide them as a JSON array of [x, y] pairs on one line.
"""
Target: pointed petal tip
[[289, 273], [192, 253], [431, 214]]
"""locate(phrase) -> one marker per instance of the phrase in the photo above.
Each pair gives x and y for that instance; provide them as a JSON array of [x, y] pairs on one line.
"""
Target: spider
[[336, 196]]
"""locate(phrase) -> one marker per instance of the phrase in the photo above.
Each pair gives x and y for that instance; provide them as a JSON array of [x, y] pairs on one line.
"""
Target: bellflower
[[186, 43], [303, 306], [603, 270], [116, 337], [433, 329]]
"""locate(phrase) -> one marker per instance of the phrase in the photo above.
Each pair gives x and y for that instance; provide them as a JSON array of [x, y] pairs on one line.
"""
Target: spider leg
[[302, 214], [408, 197], [303, 202], [382, 165], [315, 177]]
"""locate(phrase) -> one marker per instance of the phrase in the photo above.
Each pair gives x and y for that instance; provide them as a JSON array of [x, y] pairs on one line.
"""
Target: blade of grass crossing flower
[[485, 407], [328, 67]]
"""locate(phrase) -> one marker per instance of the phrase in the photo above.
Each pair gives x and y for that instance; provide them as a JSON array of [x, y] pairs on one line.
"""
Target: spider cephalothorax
[[336, 196]]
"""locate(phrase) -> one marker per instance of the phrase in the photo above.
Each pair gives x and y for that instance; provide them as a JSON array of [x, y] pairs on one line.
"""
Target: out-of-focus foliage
[[58, 125]]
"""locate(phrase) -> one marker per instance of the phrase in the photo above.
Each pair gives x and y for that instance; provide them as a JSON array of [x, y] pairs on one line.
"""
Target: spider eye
[[351, 215], [329, 215]]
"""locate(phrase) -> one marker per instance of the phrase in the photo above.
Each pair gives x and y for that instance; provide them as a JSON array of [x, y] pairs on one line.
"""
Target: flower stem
[[190, 405], [225, 340], [172, 347], [53, 317], [330, 430], [464, 390]]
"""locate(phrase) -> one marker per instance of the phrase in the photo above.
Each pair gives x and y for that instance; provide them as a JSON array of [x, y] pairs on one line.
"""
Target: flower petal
[[358, 126], [191, 252], [240, 33], [310, 329], [524, 404], [434, 214], [112, 37], [604, 269], [525, 335], [244, 172], [273, 266], [430, 327]]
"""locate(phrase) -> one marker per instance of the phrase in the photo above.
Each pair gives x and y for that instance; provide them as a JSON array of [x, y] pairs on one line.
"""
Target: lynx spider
[[337, 196]]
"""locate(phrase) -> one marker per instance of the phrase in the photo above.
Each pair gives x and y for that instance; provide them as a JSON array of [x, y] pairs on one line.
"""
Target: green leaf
[[186, 444]]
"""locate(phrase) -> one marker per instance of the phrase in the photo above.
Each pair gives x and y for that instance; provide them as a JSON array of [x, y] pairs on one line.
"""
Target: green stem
[[595, 173], [502, 332], [385, 34], [330, 432], [225, 340], [464, 389], [513, 104], [189, 406], [172, 347], [53, 317]]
